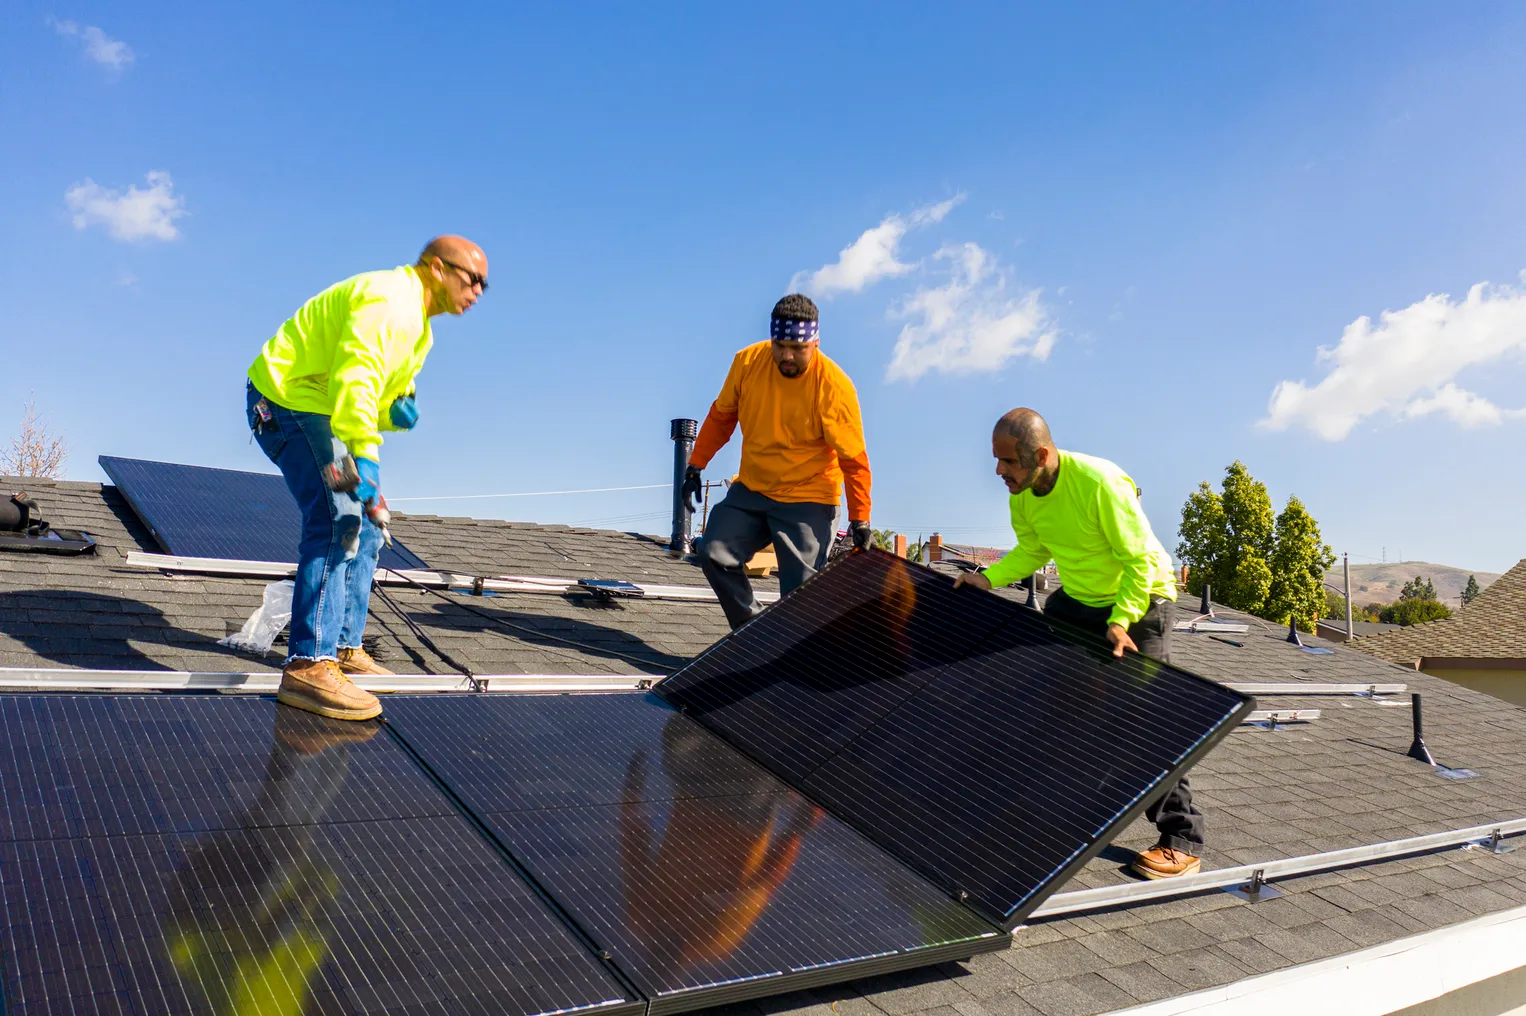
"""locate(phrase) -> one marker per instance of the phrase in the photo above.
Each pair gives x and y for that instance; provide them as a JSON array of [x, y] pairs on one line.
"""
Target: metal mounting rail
[[1314, 688], [416, 576], [265, 682], [1139, 892]]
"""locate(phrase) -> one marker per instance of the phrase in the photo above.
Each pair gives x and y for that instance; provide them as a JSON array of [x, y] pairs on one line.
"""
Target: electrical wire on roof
[[526, 493], [418, 633], [456, 601]]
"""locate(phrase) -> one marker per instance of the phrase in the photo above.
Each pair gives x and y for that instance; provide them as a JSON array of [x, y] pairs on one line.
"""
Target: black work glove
[[863, 536], [692, 490]]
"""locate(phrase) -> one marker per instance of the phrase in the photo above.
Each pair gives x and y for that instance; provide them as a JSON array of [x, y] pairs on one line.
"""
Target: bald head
[[457, 249], [1028, 429], [454, 272]]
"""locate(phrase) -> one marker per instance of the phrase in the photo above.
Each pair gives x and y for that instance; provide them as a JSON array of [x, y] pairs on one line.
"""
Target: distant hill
[[1380, 583]]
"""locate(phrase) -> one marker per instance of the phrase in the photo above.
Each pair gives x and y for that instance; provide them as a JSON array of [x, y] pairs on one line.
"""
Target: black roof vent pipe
[[683, 433]]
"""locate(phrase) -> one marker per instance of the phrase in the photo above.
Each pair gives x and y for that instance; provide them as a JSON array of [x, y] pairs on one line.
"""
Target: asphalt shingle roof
[[1341, 781], [1493, 626]]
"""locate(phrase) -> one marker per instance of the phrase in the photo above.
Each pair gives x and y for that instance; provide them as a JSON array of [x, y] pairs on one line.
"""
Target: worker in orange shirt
[[802, 440]]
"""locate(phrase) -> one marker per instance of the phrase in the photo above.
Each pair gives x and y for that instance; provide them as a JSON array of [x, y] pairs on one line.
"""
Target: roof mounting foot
[[1256, 889], [1495, 844]]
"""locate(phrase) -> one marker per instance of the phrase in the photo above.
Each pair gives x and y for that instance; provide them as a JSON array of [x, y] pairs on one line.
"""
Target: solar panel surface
[[213, 855], [197, 511], [990, 748], [708, 879]]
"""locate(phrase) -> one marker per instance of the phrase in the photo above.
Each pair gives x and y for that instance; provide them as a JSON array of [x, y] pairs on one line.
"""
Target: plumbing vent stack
[[683, 433]]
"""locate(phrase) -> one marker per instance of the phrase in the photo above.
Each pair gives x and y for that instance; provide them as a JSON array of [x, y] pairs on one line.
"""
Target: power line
[[526, 493]]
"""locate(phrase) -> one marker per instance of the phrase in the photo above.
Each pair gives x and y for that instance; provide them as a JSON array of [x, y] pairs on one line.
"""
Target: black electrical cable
[[519, 627], [418, 633]]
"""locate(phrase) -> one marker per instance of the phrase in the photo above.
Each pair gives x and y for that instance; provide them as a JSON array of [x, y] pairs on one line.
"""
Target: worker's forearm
[[1019, 563], [1133, 600], [856, 484], [713, 436]]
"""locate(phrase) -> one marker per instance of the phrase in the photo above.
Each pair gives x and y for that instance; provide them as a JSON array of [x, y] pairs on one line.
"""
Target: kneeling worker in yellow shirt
[[802, 439], [1084, 513]]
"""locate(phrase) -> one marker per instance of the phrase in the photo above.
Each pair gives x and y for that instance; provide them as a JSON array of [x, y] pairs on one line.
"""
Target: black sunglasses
[[472, 277]]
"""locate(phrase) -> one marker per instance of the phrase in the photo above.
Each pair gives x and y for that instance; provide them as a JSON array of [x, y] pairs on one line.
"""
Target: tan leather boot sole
[[308, 703]]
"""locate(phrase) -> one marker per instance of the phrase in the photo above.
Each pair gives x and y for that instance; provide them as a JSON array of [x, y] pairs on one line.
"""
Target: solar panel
[[706, 878], [207, 854], [197, 511], [992, 749]]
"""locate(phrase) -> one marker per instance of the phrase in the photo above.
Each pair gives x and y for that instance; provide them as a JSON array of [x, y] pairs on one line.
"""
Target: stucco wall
[[1509, 685]]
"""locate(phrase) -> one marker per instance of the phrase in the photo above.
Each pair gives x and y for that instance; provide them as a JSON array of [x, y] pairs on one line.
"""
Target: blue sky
[[1140, 221]]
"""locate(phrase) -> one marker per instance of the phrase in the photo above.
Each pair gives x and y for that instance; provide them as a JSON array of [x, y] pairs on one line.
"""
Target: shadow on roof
[[546, 632], [83, 629]]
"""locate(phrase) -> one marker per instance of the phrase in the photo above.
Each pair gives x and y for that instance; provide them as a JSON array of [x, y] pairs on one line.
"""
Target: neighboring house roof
[[1492, 627], [1341, 781]]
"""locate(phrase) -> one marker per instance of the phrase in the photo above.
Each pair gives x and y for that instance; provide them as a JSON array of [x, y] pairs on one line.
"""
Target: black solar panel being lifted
[[216, 855], [707, 879], [196, 511], [992, 749]]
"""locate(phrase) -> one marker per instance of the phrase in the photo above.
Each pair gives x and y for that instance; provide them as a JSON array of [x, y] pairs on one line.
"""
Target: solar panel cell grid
[[196, 511], [994, 756], [787, 685], [333, 879], [700, 872]]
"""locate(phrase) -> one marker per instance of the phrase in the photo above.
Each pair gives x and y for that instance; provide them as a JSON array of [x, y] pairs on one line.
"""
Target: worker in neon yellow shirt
[[1116, 580], [321, 391]]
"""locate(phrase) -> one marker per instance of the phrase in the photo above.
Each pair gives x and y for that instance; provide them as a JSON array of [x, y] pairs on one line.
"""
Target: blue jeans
[[336, 556]]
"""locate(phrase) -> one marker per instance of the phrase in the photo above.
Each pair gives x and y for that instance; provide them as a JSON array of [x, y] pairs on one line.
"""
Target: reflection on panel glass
[[285, 900], [695, 867], [968, 735]]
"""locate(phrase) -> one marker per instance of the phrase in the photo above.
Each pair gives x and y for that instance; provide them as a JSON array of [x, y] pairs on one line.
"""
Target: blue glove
[[404, 412], [370, 479]]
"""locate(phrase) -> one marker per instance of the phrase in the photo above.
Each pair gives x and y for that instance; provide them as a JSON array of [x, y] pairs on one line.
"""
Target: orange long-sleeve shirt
[[802, 437]]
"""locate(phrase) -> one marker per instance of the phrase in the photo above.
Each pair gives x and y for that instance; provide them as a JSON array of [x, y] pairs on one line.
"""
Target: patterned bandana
[[793, 331]]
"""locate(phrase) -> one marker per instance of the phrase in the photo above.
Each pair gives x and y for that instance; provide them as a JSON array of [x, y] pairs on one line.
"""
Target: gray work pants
[[744, 523]]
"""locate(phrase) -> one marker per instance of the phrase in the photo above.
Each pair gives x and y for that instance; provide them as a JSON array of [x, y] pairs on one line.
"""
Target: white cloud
[[1405, 365], [872, 257], [973, 322], [99, 46], [133, 214]]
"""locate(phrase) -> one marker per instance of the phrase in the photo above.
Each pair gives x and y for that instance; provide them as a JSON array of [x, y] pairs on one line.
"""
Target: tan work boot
[[1163, 862], [319, 686], [358, 661]]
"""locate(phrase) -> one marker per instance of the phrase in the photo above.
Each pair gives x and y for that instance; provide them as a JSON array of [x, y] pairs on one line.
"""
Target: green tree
[[1414, 610], [1335, 605], [1470, 591], [1227, 540], [884, 539], [1299, 560], [1418, 589]]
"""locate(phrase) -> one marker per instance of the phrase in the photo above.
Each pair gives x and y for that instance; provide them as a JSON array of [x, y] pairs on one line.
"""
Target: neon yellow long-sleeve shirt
[[348, 352], [1091, 524]]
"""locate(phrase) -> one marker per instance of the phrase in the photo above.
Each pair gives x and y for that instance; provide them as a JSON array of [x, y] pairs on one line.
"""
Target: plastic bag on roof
[[259, 632]]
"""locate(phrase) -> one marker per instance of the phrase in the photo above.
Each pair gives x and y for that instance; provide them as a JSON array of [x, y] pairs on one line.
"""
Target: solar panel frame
[[203, 511], [754, 731], [553, 817]]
